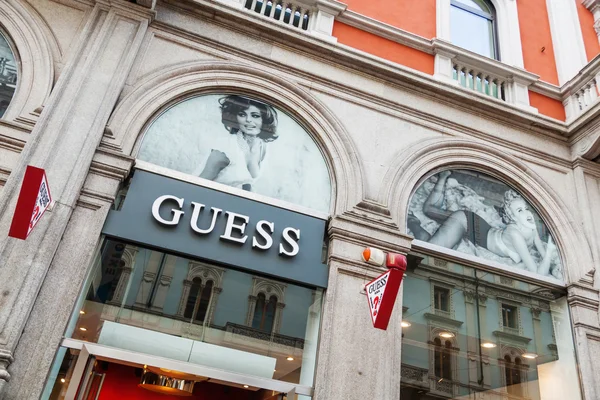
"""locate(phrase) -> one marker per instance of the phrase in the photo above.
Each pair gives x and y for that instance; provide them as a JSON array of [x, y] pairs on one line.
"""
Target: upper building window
[[477, 214], [240, 142], [441, 298], [472, 26], [8, 74]]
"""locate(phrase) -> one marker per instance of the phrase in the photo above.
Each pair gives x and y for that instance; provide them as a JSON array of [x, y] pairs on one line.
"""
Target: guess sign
[[235, 227], [210, 225]]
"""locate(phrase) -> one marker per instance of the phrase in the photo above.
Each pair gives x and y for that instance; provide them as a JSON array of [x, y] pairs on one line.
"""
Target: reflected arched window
[[512, 374], [442, 359], [8, 74], [474, 213], [198, 300], [264, 313], [472, 26]]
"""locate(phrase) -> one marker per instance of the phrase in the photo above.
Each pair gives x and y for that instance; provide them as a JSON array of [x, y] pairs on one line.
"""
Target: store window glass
[[240, 142], [476, 214], [8, 74], [160, 304], [504, 338], [472, 26]]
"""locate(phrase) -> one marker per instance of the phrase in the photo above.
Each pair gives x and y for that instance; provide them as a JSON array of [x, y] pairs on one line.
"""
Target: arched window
[[198, 300], [264, 313], [8, 74], [474, 213], [472, 26], [288, 167], [442, 361]]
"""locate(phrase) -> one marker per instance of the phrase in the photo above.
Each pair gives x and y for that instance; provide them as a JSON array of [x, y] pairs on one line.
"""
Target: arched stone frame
[[128, 258], [205, 272], [35, 49], [507, 26], [268, 288], [418, 161], [436, 384], [158, 90], [513, 352]]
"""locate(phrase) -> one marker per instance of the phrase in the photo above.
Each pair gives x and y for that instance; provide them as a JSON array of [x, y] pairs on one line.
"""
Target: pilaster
[[373, 365], [584, 304], [64, 143]]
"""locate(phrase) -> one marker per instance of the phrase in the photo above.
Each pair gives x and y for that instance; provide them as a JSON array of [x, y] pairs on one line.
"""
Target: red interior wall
[[416, 16], [121, 383]]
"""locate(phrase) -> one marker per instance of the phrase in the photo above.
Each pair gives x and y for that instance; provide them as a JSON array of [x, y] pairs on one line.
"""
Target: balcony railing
[[480, 81], [581, 92], [287, 13]]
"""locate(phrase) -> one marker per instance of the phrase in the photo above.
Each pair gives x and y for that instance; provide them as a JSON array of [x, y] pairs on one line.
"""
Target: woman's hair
[[505, 212], [232, 105]]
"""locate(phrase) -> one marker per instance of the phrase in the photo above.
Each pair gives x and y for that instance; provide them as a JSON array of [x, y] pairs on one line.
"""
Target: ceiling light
[[531, 356], [62, 380], [245, 386], [488, 345], [405, 324], [447, 335], [290, 358], [83, 329], [81, 312]]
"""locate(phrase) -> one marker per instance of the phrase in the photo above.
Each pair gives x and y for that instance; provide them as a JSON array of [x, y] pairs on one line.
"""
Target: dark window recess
[[509, 316]]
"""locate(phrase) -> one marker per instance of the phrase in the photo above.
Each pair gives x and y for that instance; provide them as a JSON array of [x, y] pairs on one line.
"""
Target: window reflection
[[8, 74], [471, 334], [472, 26], [156, 303]]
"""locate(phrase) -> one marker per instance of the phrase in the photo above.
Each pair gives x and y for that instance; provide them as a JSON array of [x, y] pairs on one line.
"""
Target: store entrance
[[113, 381]]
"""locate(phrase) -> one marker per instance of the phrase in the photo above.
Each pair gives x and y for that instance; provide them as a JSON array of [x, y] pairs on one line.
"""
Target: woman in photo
[[241, 156], [514, 241]]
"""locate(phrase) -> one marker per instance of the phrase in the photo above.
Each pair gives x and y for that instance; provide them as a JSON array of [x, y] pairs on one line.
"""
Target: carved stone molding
[[156, 90], [417, 161]]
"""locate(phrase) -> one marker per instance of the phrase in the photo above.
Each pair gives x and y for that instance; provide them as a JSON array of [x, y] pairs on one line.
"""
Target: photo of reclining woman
[[479, 215]]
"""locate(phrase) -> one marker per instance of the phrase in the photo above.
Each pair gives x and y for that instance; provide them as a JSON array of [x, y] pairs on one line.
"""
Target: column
[[35, 299]]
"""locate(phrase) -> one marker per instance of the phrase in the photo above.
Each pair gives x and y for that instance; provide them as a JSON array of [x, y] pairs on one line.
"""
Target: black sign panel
[[290, 250]]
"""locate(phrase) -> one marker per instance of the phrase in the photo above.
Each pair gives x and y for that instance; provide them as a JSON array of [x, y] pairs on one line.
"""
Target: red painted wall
[[383, 48], [590, 39], [547, 106], [535, 35], [416, 16], [121, 383]]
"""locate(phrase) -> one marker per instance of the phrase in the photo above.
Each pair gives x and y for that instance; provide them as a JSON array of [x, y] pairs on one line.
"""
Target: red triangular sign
[[381, 293]]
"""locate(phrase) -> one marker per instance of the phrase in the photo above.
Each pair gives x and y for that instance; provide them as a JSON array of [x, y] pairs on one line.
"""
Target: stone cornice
[[513, 337], [368, 233], [443, 320]]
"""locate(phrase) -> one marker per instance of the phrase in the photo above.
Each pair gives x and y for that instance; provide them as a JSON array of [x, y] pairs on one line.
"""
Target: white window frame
[[507, 29]]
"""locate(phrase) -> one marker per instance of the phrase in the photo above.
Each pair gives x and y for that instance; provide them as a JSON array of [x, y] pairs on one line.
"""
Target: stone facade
[[94, 72]]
